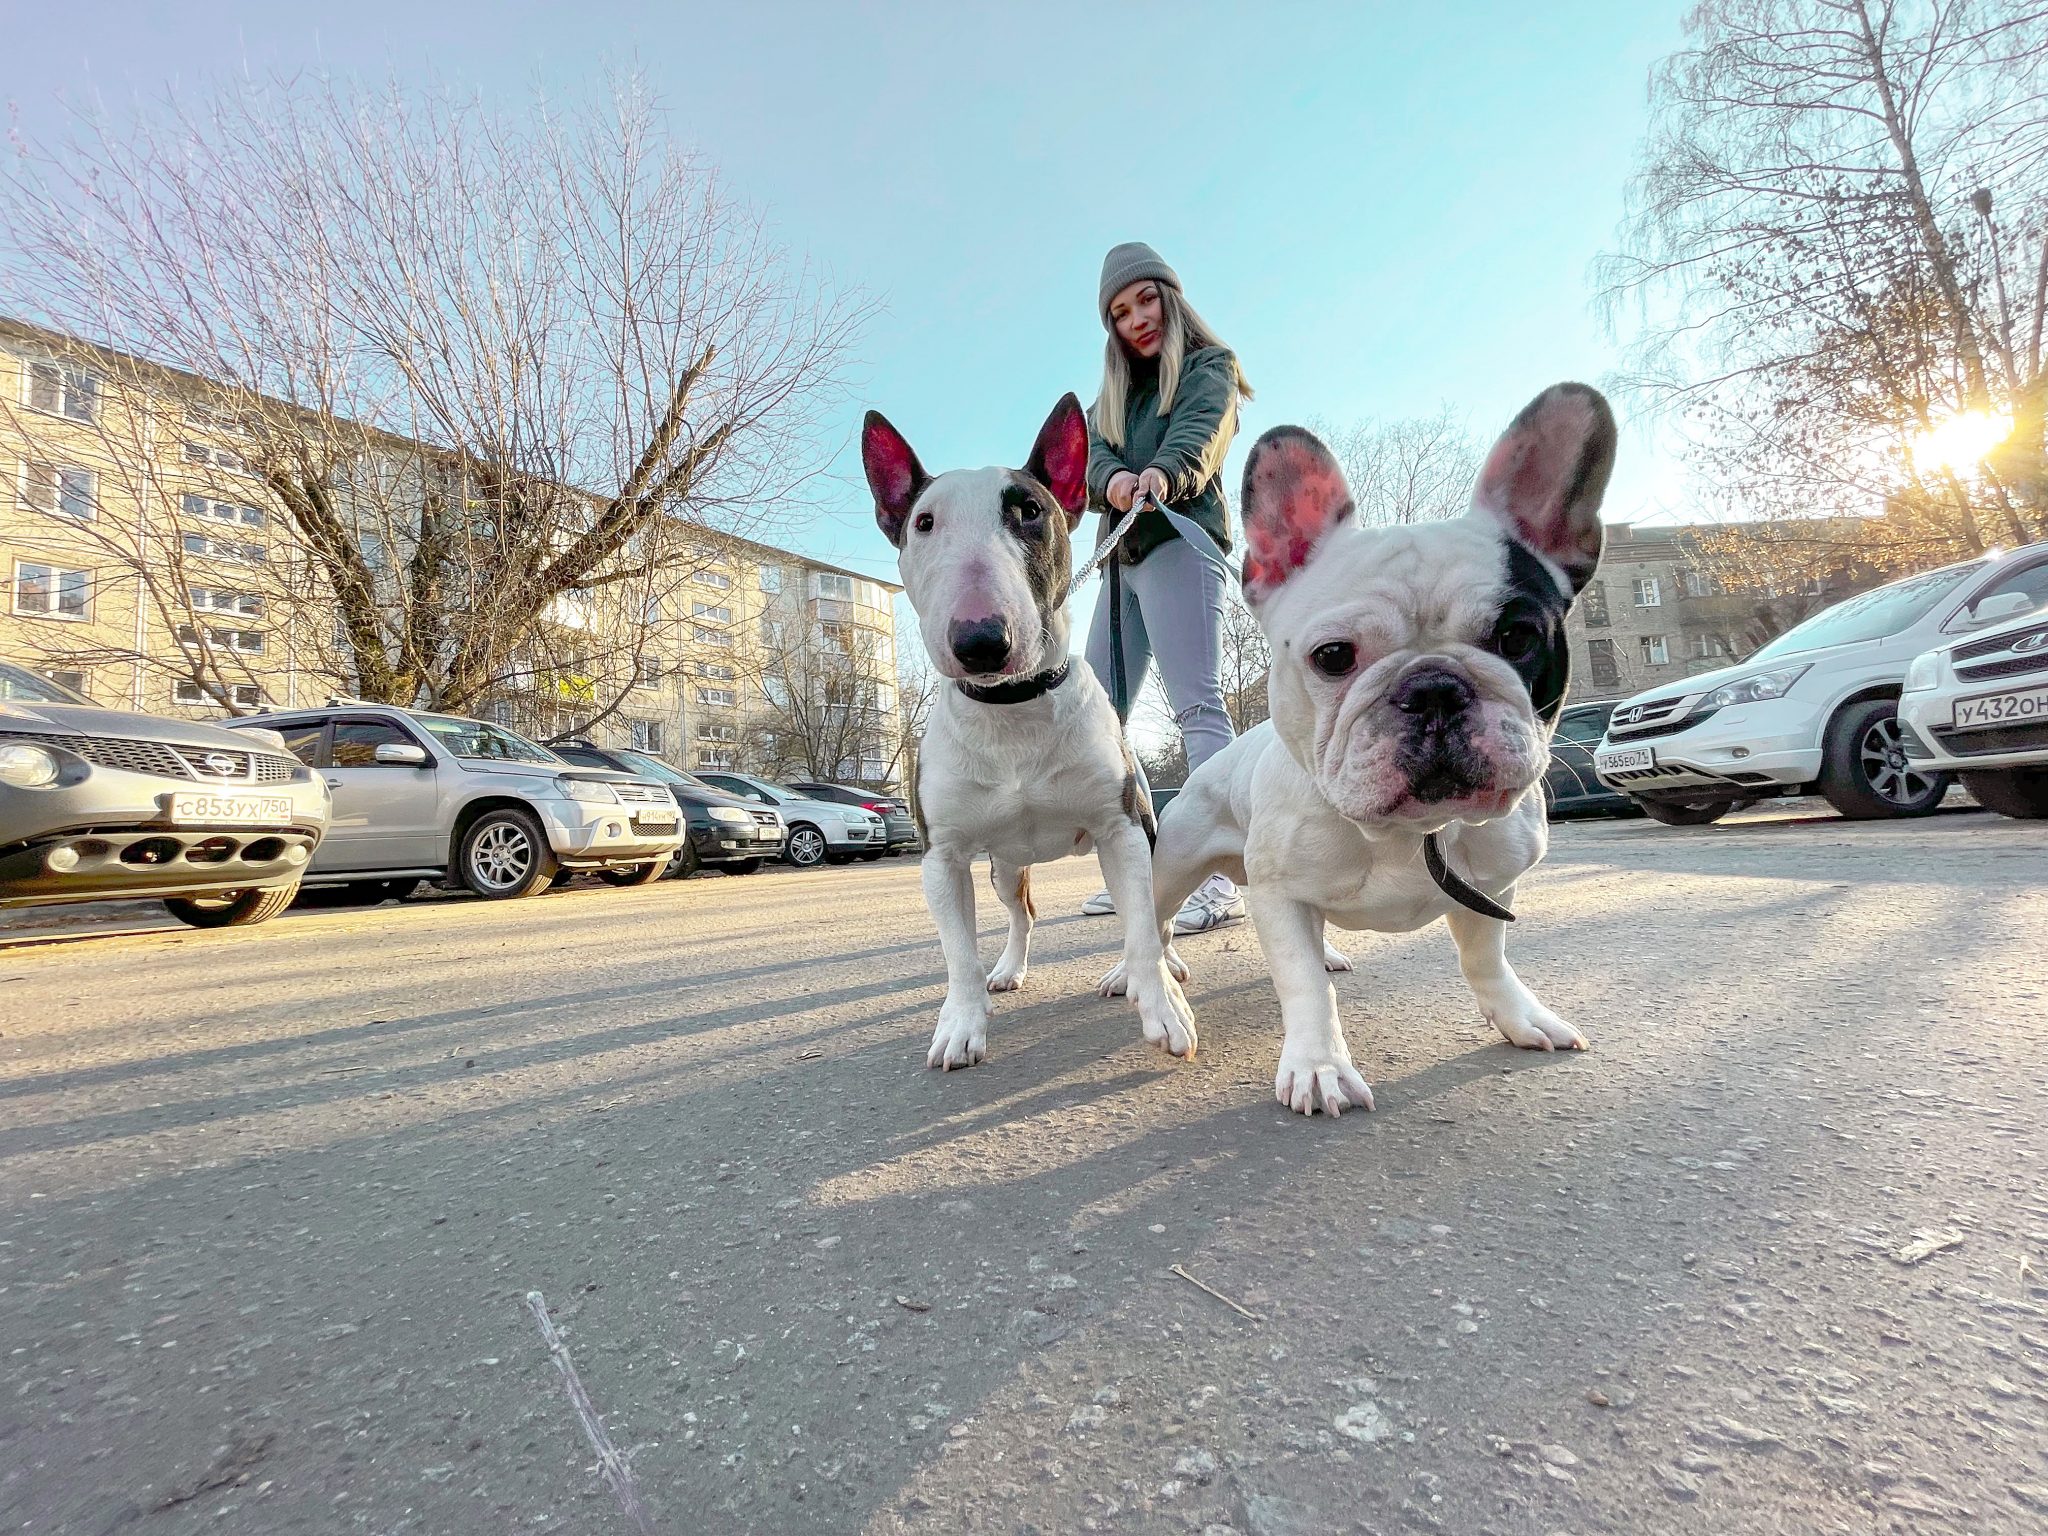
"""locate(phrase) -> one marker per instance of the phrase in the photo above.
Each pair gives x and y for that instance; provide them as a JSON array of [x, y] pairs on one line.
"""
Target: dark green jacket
[[1188, 446]]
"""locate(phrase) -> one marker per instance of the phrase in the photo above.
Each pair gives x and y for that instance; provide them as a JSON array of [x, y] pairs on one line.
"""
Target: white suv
[[1817, 708], [1979, 708]]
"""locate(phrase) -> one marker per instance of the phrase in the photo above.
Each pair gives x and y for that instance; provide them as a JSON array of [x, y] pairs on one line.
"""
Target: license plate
[[2002, 709], [1623, 758], [652, 819], [239, 810]]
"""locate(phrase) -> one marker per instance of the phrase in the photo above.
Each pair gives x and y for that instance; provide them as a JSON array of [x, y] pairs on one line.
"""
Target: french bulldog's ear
[[1544, 479], [1294, 493], [1059, 459], [894, 474]]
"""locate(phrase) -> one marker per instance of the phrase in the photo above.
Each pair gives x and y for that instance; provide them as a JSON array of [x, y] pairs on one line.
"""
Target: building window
[[52, 591], [834, 586], [719, 697], [718, 733], [226, 600], [717, 613], [222, 511], [716, 579], [771, 578], [647, 736], [1595, 604], [248, 641], [716, 757], [1600, 653], [775, 691], [771, 633], [1655, 652], [647, 673], [1694, 583], [63, 391], [1705, 647], [61, 488], [243, 695], [1648, 594], [717, 671], [222, 549], [705, 636], [216, 458]]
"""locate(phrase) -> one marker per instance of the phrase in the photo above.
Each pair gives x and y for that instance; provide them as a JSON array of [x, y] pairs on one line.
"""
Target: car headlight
[[27, 766], [1755, 688], [591, 791], [728, 813], [1925, 672]]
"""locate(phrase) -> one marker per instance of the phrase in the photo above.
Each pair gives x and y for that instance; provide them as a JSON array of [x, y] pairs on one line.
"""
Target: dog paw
[[1007, 977], [1164, 1014], [1175, 966], [1112, 983], [961, 1039], [1527, 1023], [1334, 959], [1313, 1077]]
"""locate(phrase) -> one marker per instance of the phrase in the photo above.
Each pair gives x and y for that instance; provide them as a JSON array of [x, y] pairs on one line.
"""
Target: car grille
[[1660, 717], [167, 761], [643, 794], [1998, 738], [2012, 655], [765, 818], [1970, 650]]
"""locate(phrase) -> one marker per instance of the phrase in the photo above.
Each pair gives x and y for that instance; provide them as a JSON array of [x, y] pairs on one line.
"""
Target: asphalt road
[[271, 1203]]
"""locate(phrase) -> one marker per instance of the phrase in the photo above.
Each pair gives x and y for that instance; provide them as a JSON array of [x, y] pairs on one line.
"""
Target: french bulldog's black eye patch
[[1528, 633]]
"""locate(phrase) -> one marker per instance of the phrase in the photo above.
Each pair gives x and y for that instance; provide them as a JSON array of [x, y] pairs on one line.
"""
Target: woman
[[1160, 428]]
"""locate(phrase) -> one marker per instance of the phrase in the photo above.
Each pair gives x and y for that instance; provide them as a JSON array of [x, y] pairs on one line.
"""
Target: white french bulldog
[[1416, 673], [1023, 759]]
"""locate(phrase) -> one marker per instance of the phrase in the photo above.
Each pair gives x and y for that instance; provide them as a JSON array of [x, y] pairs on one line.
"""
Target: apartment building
[[148, 567]]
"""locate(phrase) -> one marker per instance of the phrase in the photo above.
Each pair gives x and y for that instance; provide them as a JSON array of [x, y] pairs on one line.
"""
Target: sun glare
[[1962, 442]]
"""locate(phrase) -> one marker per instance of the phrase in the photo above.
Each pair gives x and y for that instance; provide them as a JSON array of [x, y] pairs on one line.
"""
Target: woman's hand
[[1122, 490], [1153, 483]]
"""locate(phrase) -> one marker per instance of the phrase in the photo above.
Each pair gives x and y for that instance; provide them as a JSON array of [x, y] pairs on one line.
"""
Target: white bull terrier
[[1416, 673], [1023, 758]]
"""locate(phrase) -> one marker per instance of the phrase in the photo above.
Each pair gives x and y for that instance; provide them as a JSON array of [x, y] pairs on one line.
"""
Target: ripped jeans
[[1172, 608]]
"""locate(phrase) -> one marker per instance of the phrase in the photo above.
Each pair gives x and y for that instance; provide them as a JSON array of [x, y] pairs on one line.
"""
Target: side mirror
[[402, 754], [2000, 605]]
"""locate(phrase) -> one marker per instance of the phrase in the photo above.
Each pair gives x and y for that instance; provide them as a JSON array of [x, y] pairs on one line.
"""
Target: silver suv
[[98, 804], [422, 796]]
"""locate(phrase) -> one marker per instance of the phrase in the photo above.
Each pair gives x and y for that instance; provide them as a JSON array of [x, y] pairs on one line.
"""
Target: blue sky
[[1382, 207]]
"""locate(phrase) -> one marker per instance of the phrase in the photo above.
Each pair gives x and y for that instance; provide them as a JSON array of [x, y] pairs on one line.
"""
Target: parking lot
[[1772, 1256]]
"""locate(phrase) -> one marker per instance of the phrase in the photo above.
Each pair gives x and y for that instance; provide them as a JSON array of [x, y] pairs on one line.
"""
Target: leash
[[1119, 685], [1455, 886]]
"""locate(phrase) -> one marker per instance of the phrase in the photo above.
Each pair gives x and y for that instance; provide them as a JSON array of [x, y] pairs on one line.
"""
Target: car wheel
[[1686, 813], [635, 874], [233, 909], [743, 867], [2020, 792], [806, 848], [564, 878], [505, 854], [1864, 771], [684, 862]]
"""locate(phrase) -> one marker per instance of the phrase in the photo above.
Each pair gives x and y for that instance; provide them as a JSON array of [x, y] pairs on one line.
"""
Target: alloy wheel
[[1882, 756], [502, 856], [806, 847]]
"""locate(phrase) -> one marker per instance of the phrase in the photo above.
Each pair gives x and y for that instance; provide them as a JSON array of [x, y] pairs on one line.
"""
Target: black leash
[[1119, 688], [1455, 886]]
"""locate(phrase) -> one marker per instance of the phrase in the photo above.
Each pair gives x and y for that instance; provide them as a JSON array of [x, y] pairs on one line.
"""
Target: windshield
[[1872, 616], [655, 768], [22, 686], [480, 739]]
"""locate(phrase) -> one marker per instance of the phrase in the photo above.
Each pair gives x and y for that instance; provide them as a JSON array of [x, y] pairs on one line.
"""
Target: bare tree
[[495, 374], [829, 704], [1244, 665], [1838, 241], [1407, 469]]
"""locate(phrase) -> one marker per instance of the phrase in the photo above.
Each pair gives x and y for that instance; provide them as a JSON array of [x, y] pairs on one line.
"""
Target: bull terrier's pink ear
[[1294, 494], [1059, 459], [894, 474], [1544, 479]]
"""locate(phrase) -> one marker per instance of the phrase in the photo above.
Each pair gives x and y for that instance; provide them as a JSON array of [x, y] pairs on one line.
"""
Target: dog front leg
[[1315, 1064], [1509, 1006], [1013, 890], [1163, 1010], [961, 1038]]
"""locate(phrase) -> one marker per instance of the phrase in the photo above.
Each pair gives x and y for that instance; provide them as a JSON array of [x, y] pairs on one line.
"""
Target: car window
[[303, 741], [480, 739], [1589, 725], [582, 757], [738, 787], [2029, 581], [20, 686], [356, 742], [1872, 615]]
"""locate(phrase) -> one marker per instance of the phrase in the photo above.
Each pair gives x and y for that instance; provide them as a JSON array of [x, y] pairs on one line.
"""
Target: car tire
[[807, 847], [2017, 792], [1686, 813], [635, 874], [505, 855], [235, 909], [684, 862], [1864, 772], [743, 867]]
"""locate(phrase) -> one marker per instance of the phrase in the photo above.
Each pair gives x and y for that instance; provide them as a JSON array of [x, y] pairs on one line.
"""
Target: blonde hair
[[1186, 332]]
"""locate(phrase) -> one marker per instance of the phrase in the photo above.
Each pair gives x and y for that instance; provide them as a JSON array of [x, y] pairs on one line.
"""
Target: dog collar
[[1453, 885], [1039, 683]]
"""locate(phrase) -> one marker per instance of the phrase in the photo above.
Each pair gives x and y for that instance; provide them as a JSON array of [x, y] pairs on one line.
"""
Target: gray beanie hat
[[1130, 263]]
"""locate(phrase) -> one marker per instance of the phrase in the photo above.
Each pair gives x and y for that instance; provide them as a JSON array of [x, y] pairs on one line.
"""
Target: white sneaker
[[1101, 904], [1216, 901]]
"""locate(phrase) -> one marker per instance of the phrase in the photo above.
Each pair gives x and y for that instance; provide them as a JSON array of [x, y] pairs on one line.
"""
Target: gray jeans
[[1172, 608]]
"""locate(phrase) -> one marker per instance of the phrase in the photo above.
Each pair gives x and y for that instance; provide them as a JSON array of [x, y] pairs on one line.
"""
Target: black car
[[894, 811], [1570, 787], [725, 830]]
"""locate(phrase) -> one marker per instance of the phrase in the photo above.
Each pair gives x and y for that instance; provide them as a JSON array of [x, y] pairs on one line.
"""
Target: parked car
[[732, 834], [421, 796], [1817, 708], [819, 830], [897, 822], [1979, 708], [1570, 786], [100, 803]]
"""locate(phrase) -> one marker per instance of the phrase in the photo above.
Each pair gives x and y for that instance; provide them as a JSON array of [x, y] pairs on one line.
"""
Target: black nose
[[981, 645], [1432, 694]]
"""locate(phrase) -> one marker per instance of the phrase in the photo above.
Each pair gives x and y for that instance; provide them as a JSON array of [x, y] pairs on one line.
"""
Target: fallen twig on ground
[[1927, 1244], [1191, 1280], [609, 1461]]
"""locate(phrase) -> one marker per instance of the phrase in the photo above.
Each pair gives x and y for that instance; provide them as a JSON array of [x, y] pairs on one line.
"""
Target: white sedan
[[1979, 708]]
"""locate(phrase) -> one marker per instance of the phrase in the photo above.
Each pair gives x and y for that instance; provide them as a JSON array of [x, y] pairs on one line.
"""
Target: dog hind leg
[[1013, 890], [1163, 1010]]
